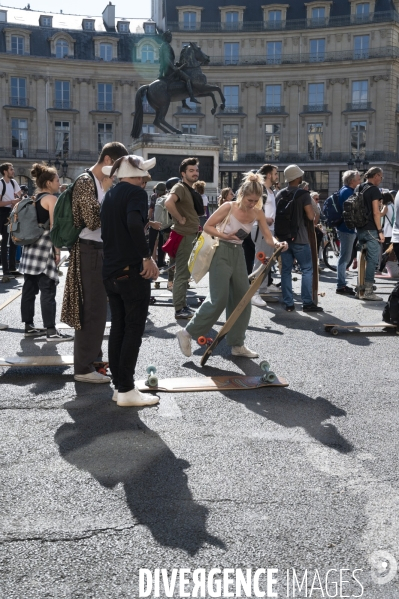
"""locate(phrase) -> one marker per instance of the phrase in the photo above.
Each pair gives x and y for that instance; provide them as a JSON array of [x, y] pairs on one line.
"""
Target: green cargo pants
[[182, 274], [228, 283]]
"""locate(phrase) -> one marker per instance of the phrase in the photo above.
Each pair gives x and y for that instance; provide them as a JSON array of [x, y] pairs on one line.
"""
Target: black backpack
[[355, 212], [390, 313], [197, 200], [286, 223], [4, 186]]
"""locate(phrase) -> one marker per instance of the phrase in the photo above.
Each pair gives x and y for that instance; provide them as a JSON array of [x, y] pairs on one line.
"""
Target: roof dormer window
[[88, 24], [3, 16], [149, 27], [123, 26], [46, 21]]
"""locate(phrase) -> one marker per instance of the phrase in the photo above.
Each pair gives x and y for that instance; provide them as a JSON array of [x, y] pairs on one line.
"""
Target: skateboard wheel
[[152, 381], [265, 366], [209, 340], [151, 369], [322, 294], [202, 340], [334, 331], [261, 256], [270, 377], [294, 278], [328, 329]]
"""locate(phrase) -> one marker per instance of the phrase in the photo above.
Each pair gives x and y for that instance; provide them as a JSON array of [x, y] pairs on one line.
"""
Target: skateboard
[[44, 361], [233, 382], [315, 261], [334, 329], [261, 273], [165, 300], [11, 299], [361, 274]]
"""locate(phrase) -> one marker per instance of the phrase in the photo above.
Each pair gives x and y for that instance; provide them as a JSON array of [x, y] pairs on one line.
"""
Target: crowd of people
[[122, 243]]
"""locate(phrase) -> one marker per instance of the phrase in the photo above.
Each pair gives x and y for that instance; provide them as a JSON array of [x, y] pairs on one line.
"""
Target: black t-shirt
[[121, 246], [372, 193]]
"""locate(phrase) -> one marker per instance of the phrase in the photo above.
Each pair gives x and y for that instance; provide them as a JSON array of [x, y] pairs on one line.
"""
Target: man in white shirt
[[270, 177], [10, 192]]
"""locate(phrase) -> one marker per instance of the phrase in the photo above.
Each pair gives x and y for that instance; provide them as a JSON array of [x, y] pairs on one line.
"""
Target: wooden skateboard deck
[[29, 361], [315, 261], [361, 274], [11, 299], [263, 272], [211, 383], [335, 328]]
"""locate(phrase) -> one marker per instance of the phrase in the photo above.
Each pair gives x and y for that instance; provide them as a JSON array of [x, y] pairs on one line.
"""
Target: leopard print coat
[[86, 212]]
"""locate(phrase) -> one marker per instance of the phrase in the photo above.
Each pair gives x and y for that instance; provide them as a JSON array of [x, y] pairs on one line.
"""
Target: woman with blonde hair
[[226, 195], [228, 277]]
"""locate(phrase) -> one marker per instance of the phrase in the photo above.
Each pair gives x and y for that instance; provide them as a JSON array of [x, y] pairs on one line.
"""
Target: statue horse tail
[[138, 114]]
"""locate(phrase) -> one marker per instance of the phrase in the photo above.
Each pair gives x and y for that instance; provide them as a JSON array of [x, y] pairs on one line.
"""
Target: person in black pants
[[10, 193], [127, 271]]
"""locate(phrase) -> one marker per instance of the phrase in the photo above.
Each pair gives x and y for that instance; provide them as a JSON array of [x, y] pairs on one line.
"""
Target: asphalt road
[[303, 478]]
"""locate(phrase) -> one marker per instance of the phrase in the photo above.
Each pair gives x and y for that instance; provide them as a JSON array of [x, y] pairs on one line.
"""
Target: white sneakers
[[273, 289], [134, 398], [184, 339], [258, 301], [92, 377], [243, 352]]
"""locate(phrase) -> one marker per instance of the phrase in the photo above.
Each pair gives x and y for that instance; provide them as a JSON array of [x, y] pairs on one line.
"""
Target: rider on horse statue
[[169, 69]]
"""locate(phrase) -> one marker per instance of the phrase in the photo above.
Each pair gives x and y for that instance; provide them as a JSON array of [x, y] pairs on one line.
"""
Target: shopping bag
[[201, 256]]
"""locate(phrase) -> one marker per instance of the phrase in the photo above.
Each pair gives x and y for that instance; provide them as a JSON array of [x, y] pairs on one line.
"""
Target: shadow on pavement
[[287, 408], [115, 446]]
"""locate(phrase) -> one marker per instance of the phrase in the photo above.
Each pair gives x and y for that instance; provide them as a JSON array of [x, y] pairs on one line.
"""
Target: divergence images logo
[[384, 567]]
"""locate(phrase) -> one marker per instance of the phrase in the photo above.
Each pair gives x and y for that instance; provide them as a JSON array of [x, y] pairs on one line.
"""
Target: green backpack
[[64, 233]]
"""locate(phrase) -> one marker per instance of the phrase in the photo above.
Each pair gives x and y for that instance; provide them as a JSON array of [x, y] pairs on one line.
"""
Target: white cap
[[292, 172], [131, 166]]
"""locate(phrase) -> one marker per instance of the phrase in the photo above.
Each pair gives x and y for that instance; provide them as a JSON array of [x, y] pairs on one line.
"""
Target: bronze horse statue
[[161, 92]]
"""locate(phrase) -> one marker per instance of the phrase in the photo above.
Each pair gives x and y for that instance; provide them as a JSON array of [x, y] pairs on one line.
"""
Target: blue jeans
[[370, 239], [301, 252], [346, 246]]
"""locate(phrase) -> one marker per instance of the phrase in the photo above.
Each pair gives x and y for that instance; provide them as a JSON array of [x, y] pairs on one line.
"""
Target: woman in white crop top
[[228, 277]]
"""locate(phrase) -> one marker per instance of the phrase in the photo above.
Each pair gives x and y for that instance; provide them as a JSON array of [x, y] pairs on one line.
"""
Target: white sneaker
[[115, 395], [136, 398], [92, 377], [184, 339], [258, 301], [243, 352], [273, 289]]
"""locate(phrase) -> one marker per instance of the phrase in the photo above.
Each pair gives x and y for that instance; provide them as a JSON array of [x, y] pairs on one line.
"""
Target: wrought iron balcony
[[232, 110], [232, 26], [353, 106], [63, 104], [105, 106], [18, 101], [193, 110], [272, 109], [315, 108]]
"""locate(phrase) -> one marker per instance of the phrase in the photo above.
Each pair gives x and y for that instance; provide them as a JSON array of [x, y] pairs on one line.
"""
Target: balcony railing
[[232, 110], [322, 157], [272, 109], [193, 110], [315, 108], [232, 26], [335, 56], [291, 24], [21, 102], [62, 104], [353, 106], [105, 106]]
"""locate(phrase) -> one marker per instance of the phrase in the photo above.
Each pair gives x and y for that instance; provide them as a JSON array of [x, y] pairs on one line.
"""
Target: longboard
[[315, 261], [361, 274], [211, 383], [29, 361], [11, 299], [352, 327], [263, 272]]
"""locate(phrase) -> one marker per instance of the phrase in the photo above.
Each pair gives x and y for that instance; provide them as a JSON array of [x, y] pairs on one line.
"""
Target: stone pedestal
[[170, 150]]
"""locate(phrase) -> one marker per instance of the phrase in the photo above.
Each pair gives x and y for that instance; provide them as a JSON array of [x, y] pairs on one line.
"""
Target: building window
[[189, 20], [149, 129], [18, 92], [232, 19], [46, 21], [149, 28], [104, 134], [147, 53], [316, 96], [231, 53], [315, 141], [317, 50], [3, 16], [273, 98], [123, 27], [358, 138], [17, 44], [62, 94], [19, 136], [230, 92], [104, 96], [272, 141], [106, 51], [88, 25], [273, 52], [274, 16], [318, 13], [189, 129], [61, 48], [230, 142], [363, 9], [62, 132], [361, 46], [360, 94]]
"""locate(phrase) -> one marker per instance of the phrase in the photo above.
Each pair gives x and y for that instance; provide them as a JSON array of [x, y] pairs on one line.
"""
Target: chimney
[[109, 16]]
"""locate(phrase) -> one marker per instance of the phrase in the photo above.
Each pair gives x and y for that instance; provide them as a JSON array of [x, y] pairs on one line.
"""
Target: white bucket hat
[[131, 166], [292, 172]]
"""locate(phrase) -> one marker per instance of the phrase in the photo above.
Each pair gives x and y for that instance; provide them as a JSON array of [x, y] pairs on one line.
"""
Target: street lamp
[[57, 164], [49, 163], [358, 162], [64, 168]]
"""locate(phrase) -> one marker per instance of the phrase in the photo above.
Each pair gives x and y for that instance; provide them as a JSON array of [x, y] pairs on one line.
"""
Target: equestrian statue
[[176, 81]]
